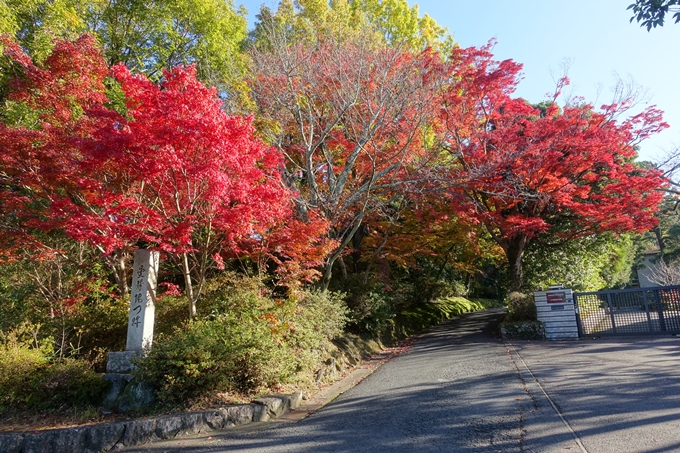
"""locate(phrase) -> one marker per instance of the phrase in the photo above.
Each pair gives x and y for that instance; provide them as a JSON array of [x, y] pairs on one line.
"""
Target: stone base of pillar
[[121, 362], [125, 393]]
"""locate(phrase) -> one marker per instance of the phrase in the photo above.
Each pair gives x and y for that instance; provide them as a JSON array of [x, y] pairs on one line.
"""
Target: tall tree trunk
[[343, 267], [186, 270], [514, 250], [328, 271], [116, 264], [122, 273], [659, 239]]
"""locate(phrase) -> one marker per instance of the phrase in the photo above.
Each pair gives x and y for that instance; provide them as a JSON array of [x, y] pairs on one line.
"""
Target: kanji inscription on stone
[[144, 279]]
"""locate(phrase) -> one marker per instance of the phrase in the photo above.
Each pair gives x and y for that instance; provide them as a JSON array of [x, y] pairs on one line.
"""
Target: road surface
[[459, 389]]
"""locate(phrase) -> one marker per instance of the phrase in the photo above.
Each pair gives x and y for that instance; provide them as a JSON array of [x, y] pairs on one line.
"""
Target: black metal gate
[[640, 311]]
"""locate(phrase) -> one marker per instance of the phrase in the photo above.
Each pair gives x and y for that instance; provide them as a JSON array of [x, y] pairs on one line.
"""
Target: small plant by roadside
[[521, 307], [521, 321], [247, 341]]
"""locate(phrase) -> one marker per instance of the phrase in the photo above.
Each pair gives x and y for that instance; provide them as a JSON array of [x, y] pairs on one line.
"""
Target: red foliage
[[177, 166], [39, 156], [522, 171], [175, 171], [351, 118]]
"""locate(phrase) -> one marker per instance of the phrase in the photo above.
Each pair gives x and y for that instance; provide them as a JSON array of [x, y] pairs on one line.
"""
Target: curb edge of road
[[534, 389], [325, 396]]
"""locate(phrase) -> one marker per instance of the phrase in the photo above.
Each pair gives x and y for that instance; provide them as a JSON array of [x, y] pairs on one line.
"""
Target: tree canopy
[[145, 36], [390, 22], [174, 171], [372, 133], [522, 171], [349, 116], [652, 13]]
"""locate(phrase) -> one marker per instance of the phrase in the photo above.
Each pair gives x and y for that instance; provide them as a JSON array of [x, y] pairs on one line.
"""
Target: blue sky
[[594, 35]]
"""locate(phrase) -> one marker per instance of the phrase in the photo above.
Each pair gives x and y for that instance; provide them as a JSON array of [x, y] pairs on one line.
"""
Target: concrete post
[[555, 309]]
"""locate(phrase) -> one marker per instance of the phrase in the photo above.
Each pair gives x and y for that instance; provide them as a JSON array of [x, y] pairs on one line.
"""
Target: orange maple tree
[[351, 118]]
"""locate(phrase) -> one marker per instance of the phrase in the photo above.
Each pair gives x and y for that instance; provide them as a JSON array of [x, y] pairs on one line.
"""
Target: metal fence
[[641, 311]]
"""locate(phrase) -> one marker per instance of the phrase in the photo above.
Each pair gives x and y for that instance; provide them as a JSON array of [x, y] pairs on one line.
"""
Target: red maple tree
[[172, 171], [523, 171], [43, 106]]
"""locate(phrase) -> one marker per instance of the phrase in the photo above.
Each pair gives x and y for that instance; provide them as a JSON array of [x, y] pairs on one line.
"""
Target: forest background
[[341, 166]]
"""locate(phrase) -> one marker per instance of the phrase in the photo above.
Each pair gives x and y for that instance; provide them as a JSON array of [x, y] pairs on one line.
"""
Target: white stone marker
[[555, 308], [142, 298]]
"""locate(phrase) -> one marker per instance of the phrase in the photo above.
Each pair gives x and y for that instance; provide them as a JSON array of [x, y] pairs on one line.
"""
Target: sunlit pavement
[[618, 395], [460, 389]]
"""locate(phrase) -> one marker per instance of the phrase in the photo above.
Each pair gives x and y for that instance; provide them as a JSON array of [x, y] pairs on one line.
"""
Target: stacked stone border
[[113, 436]]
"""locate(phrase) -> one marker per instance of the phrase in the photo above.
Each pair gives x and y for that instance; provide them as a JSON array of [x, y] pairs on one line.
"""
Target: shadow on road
[[617, 394], [455, 389]]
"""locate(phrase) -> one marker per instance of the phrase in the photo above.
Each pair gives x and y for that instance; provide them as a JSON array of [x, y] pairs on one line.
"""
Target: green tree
[[392, 22], [146, 36], [400, 23], [588, 263], [652, 13]]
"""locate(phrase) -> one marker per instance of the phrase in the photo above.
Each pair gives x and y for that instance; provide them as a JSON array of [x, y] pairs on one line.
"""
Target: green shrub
[[226, 353], [244, 341], [31, 379], [19, 363], [521, 307], [372, 312], [319, 317], [371, 306], [70, 383], [171, 312]]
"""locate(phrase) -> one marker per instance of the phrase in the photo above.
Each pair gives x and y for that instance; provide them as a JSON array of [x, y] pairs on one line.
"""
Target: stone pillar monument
[[125, 393], [142, 308], [142, 300]]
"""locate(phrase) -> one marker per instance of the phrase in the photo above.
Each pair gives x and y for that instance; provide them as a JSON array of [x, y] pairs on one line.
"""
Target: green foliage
[[391, 22], [227, 353], [36, 23], [146, 36], [402, 24], [170, 313], [666, 236], [7, 20], [372, 312], [30, 377], [590, 263], [246, 341], [521, 307], [417, 298], [318, 317], [651, 13], [416, 319], [71, 303]]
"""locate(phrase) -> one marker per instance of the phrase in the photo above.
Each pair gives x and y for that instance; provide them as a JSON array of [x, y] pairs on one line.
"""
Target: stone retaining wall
[[110, 436]]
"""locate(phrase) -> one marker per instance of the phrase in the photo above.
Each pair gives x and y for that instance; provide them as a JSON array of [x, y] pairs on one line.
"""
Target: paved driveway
[[458, 389], [617, 395]]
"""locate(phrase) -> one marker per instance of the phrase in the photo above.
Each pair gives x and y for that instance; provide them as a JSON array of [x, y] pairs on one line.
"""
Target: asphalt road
[[617, 394], [458, 389]]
